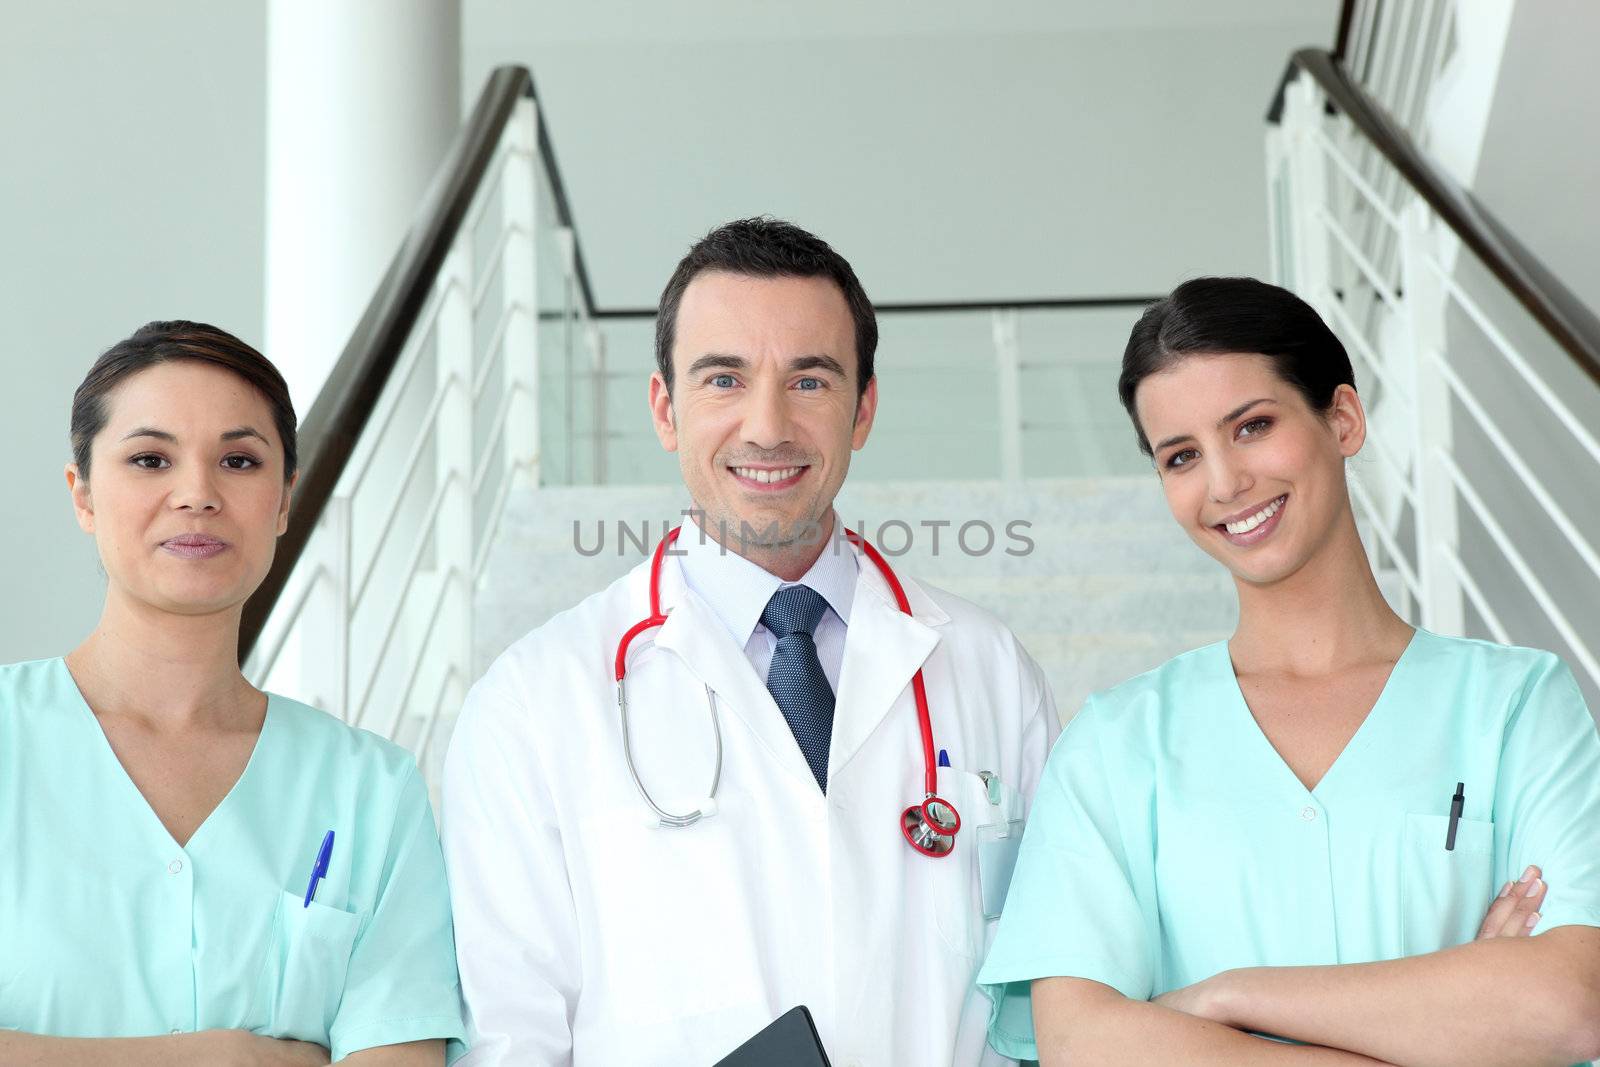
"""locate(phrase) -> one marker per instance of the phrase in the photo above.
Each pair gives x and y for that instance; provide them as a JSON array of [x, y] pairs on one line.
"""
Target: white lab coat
[[588, 934]]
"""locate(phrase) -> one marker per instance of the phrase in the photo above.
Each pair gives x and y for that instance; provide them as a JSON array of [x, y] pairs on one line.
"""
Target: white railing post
[[451, 642], [567, 243], [337, 516], [1008, 368], [520, 355], [1308, 193], [1424, 331], [597, 363]]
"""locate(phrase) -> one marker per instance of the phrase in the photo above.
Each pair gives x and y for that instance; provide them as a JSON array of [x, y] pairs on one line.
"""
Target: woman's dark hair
[[1217, 316], [169, 342], [766, 248]]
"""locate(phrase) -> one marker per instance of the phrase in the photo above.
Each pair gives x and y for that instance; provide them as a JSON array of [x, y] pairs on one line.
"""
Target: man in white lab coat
[[588, 932]]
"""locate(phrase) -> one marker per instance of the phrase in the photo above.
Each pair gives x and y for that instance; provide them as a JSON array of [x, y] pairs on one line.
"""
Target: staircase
[[1110, 588]]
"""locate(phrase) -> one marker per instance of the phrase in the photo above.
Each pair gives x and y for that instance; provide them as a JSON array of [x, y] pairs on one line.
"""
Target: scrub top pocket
[[302, 980], [1444, 894]]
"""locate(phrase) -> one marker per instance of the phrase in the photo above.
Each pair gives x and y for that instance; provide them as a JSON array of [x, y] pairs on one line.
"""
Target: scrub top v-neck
[[1169, 841], [111, 929]]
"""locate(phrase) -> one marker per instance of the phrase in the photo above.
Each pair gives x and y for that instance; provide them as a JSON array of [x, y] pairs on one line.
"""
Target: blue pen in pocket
[[319, 870]]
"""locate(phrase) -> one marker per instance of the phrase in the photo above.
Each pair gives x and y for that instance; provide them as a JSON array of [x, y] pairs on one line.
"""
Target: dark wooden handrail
[[1567, 319], [330, 430]]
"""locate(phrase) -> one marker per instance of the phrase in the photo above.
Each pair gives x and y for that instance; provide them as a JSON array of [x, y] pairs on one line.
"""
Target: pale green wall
[[950, 155], [131, 189]]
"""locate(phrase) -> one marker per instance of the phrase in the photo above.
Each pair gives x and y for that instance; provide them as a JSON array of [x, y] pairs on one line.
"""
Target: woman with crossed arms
[[1266, 836]]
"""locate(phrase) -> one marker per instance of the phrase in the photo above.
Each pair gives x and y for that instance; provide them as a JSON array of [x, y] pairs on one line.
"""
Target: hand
[[1515, 911], [241, 1048]]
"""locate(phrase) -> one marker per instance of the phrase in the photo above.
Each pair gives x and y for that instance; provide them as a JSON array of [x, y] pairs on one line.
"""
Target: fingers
[[1515, 912]]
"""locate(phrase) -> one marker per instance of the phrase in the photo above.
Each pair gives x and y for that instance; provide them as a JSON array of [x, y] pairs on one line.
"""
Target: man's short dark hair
[[766, 248]]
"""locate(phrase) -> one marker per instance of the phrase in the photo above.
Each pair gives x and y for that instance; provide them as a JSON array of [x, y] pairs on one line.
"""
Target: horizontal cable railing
[[427, 421], [1458, 332]]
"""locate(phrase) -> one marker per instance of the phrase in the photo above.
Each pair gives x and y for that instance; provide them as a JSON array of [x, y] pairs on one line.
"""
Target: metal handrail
[[346, 402], [1568, 321]]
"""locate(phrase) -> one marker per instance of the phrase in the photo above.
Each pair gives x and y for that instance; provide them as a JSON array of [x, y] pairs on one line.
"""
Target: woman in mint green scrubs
[[162, 821], [1297, 832]]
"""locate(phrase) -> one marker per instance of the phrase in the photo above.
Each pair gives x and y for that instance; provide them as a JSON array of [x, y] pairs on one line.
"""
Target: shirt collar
[[738, 590]]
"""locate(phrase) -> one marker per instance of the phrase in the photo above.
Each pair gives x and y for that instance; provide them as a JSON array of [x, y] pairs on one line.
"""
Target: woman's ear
[[1348, 420], [82, 502], [283, 506]]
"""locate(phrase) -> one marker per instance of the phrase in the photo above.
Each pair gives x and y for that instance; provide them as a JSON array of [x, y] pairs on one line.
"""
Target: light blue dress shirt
[[738, 591]]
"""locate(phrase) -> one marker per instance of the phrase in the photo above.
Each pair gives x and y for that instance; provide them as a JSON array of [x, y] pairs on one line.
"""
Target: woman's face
[[1253, 475], [185, 495]]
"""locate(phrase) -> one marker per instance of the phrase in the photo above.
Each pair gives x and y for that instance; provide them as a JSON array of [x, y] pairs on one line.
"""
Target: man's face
[[764, 409]]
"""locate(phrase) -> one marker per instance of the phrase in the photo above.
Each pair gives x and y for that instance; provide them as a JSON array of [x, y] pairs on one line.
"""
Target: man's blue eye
[[722, 381], [810, 384]]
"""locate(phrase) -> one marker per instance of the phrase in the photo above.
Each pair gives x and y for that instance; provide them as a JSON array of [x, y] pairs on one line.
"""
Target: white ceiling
[[950, 150]]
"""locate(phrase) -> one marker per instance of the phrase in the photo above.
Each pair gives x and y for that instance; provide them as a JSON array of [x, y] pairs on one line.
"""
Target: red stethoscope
[[929, 827]]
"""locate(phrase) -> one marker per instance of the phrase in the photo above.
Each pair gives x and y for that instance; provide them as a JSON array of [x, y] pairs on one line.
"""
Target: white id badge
[[997, 858]]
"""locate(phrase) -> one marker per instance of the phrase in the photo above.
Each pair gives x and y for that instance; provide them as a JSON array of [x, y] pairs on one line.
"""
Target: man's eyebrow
[[717, 359], [245, 431], [1229, 417], [818, 363]]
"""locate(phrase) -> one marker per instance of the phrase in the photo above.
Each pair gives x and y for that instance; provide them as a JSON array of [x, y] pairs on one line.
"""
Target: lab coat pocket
[[302, 980], [973, 873], [1443, 893]]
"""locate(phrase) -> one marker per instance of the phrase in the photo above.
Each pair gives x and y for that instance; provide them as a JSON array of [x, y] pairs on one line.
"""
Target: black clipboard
[[791, 1041]]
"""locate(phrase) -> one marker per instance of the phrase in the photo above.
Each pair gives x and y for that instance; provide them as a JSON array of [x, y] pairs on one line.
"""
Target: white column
[[363, 99]]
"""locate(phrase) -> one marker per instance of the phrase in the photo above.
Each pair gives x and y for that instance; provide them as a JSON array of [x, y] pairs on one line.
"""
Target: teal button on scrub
[[111, 929], [1169, 842]]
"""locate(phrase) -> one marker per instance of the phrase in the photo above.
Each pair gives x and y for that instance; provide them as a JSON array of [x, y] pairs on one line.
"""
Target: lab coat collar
[[883, 649], [697, 635]]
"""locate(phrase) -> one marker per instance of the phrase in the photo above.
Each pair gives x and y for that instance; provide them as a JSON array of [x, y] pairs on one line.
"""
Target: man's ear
[[661, 414], [82, 502], [866, 411]]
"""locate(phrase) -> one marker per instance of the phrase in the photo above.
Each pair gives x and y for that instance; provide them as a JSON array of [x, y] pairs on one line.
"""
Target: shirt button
[[175, 866], [1308, 813]]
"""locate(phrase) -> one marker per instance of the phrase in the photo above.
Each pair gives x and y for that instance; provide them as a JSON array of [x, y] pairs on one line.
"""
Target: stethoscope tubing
[[935, 829]]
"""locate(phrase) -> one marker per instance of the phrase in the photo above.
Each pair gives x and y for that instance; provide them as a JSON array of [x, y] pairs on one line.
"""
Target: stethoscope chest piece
[[931, 826]]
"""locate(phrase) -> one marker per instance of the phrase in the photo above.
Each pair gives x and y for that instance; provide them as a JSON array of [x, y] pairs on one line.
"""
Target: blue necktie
[[795, 678]]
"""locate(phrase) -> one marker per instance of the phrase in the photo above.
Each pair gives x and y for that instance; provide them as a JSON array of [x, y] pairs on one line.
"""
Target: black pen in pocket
[[1456, 803]]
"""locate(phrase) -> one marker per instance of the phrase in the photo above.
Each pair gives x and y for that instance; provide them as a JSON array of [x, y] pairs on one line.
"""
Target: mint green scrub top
[[109, 929], [1169, 842]]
